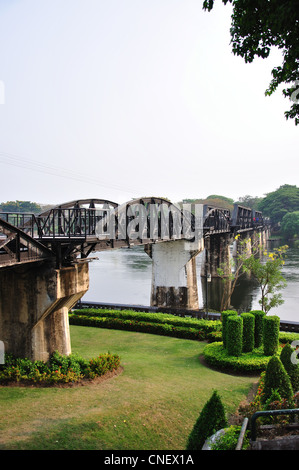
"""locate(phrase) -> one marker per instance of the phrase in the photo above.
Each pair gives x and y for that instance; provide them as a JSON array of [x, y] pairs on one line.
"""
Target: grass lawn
[[152, 405]]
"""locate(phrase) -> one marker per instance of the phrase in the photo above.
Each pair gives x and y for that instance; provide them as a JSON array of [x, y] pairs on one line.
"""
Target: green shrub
[[224, 316], [234, 335], [248, 331], [59, 368], [277, 379], [229, 440], [161, 324], [258, 327], [271, 326], [291, 368], [217, 356], [211, 419]]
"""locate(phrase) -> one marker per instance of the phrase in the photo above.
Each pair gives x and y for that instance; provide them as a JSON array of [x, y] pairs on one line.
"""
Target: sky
[[121, 99]]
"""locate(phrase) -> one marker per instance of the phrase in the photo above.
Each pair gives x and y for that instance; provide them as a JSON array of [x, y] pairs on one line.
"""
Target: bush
[[277, 379], [161, 324], [234, 335], [248, 331], [291, 368], [271, 326], [258, 327], [229, 440], [224, 316], [59, 369], [217, 356], [211, 419]]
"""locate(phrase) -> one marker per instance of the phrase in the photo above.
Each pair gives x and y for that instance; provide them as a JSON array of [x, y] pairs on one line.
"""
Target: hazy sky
[[118, 99]]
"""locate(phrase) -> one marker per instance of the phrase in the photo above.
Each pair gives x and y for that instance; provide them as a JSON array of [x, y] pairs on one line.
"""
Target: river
[[124, 276]]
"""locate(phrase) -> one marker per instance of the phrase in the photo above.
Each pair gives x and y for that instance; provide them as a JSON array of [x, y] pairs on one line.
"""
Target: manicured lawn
[[152, 405]]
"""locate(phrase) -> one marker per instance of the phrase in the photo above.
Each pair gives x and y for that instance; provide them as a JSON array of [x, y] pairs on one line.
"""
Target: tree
[[276, 378], [259, 25], [269, 277], [230, 278], [290, 224], [278, 203], [20, 206], [211, 419], [249, 201]]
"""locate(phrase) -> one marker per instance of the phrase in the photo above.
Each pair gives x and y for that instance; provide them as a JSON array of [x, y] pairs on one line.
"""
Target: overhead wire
[[21, 162]]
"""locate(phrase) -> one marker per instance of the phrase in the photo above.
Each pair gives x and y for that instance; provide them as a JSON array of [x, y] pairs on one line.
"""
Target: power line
[[31, 165]]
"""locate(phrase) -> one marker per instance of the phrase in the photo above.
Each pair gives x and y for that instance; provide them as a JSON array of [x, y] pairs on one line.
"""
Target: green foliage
[[211, 419], [224, 316], [276, 378], [248, 331], [229, 440], [280, 202], [269, 277], [59, 368], [20, 206], [258, 26], [290, 224], [217, 357], [234, 335], [258, 328], [155, 323], [291, 367], [271, 326]]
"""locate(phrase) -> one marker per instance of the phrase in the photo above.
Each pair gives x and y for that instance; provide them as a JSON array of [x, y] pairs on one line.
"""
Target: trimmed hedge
[[271, 326], [248, 331], [258, 328], [155, 323], [217, 356], [234, 335], [224, 316]]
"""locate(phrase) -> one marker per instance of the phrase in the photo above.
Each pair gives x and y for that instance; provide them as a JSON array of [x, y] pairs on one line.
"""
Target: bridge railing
[[69, 223], [24, 221]]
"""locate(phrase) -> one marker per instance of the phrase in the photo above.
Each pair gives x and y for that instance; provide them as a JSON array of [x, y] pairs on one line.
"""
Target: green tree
[[258, 26], [249, 201], [269, 277], [276, 378], [211, 419], [20, 206], [290, 224], [278, 203]]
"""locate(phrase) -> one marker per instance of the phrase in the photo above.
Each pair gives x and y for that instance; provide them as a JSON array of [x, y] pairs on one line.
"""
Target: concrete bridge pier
[[34, 305], [217, 255], [174, 280]]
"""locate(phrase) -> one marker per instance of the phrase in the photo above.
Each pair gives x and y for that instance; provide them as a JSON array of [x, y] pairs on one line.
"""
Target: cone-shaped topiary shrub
[[248, 331], [291, 367], [276, 378], [211, 419]]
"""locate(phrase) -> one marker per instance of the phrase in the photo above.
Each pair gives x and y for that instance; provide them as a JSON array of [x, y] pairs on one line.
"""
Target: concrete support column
[[217, 255], [34, 305], [174, 279]]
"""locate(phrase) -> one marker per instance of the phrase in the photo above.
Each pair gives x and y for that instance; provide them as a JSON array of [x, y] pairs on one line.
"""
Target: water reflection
[[124, 276]]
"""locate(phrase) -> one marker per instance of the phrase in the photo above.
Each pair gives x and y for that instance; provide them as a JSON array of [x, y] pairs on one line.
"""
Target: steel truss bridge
[[70, 232]]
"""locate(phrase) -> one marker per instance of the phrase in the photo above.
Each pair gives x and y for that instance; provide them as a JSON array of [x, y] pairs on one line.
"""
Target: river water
[[124, 276]]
